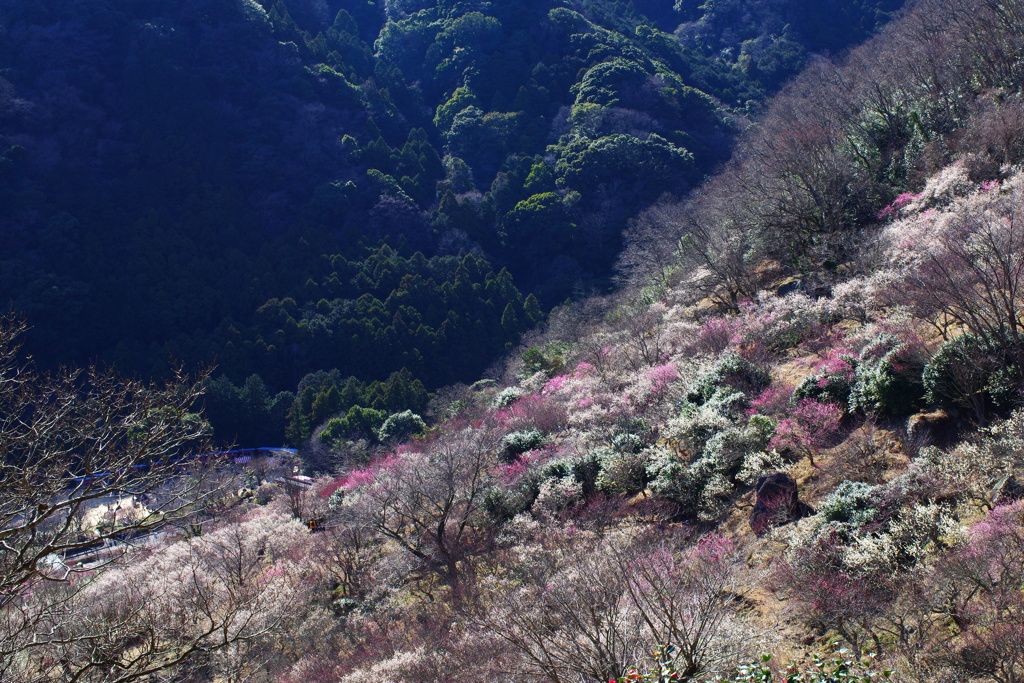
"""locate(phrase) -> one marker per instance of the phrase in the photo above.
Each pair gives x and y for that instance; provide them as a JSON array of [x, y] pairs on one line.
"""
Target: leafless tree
[[641, 327], [697, 243], [218, 602], [972, 275], [599, 611], [978, 588], [70, 442], [431, 502]]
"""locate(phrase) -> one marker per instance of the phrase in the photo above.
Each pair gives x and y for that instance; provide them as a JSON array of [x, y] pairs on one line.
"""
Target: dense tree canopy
[[172, 174]]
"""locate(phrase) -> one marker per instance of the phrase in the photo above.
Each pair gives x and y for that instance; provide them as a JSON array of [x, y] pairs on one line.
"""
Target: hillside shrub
[[731, 371], [558, 495], [507, 396], [621, 472], [778, 323], [888, 378], [515, 444], [962, 374], [582, 469], [832, 381], [626, 442], [842, 666], [400, 426], [811, 426], [852, 502], [696, 424], [502, 503], [729, 454]]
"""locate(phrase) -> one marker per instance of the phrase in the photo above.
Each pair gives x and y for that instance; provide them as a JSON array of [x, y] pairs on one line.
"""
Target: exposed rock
[[929, 428], [790, 286], [778, 503]]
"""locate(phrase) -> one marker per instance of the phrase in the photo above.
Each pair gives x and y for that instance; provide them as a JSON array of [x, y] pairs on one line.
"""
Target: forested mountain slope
[[798, 427], [182, 182]]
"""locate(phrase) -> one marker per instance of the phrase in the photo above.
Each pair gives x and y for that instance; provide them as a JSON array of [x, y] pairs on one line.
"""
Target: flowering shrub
[[716, 335], [984, 577], [662, 376], [777, 323], [813, 425], [943, 188], [758, 463], [888, 377], [557, 495], [507, 396], [832, 380], [360, 477], [773, 401], [892, 210], [731, 371], [532, 412], [663, 671], [515, 444]]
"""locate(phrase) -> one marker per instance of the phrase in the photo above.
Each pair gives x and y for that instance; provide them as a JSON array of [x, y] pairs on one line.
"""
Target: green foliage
[[963, 373], [324, 394], [888, 378], [623, 163], [832, 383], [549, 359], [246, 415], [256, 154], [359, 422], [400, 426], [507, 396], [852, 502], [579, 472], [715, 450], [515, 444], [835, 669], [730, 372], [622, 472], [505, 502], [841, 666]]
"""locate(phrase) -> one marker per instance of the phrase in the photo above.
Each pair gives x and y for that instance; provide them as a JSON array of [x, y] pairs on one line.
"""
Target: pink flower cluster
[[902, 200], [772, 401], [837, 363], [718, 334], [366, 476], [662, 376], [711, 549], [512, 472], [812, 426], [534, 411], [555, 384], [358, 478]]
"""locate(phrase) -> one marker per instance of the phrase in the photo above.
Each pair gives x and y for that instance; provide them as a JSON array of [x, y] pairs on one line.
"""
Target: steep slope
[[172, 174]]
